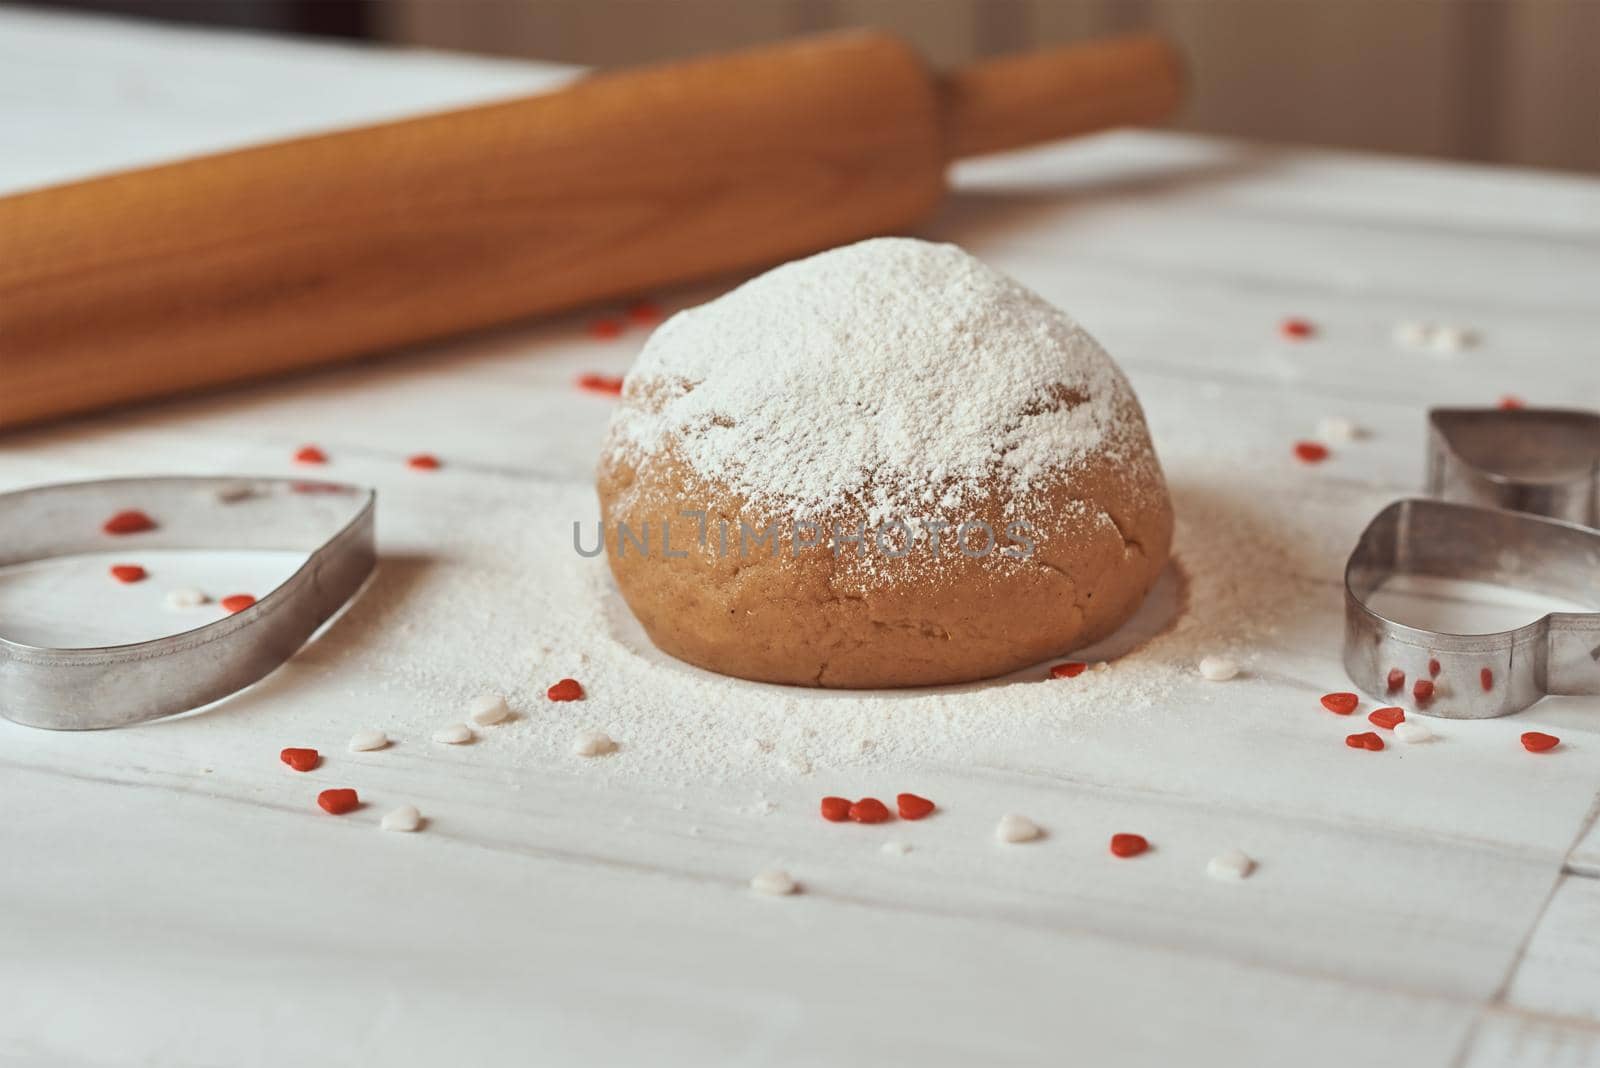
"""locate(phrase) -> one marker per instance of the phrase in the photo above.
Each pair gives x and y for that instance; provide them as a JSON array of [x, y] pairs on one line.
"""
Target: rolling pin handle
[[1019, 100]]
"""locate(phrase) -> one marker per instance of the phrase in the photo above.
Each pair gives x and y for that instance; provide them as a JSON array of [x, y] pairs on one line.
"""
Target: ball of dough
[[885, 465]]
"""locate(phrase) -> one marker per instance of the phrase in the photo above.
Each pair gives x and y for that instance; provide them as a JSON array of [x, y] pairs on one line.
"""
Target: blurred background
[[1503, 81]]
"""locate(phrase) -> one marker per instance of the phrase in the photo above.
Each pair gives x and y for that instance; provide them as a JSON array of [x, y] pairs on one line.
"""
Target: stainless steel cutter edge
[[1470, 676], [1517, 499], [112, 686]]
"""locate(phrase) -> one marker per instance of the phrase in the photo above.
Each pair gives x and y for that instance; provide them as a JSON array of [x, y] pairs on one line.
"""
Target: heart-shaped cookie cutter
[[113, 686], [1515, 502]]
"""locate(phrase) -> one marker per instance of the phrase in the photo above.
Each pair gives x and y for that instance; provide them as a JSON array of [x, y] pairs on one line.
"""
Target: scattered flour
[[488, 610], [493, 605], [503, 604]]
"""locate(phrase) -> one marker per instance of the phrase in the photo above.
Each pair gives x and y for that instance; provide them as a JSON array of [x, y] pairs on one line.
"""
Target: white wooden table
[[170, 896]]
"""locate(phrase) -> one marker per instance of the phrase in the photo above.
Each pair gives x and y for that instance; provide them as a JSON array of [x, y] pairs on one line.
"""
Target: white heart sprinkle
[[488, 710], [1015, 828], [181, 600], [1412, 732], [1337, 430], [593, 744], [404, 818], [1413, 335], [1450, 339], [454, 734], [1230, 866], [774, 881], [896, 849], [1217, 668], [365, 741]]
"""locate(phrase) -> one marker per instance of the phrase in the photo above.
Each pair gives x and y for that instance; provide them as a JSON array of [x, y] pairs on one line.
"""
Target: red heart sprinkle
[[1128, 845], [299, 759], [869, 810], [236, 602], [605, 329], [1486, 679], [423, 461], [565, 690], [310, 454], [913, 807], [1386, 717], [1366, 740], [1297, 329], [1422, 691], [338, 802], [595, 383], [1069, 670], [132, 521], [1433, 668], [835, 809], [1310, 452], [1341, 704], [1511, 402], [644, 312], [128, 572], [1538, 741], [1397, 680]]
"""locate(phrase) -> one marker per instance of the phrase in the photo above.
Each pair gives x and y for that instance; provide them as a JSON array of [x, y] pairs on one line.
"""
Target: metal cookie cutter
[[1498, 476], [112, 686]]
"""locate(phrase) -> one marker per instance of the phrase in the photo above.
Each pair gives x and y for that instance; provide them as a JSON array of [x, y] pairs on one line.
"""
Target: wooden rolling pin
[[238, 265]]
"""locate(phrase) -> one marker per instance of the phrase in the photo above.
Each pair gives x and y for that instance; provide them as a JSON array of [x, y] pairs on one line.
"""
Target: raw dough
[[883, 388]]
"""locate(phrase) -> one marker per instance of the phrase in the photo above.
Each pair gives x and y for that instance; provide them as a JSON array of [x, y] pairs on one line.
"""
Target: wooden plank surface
[[180, 901]]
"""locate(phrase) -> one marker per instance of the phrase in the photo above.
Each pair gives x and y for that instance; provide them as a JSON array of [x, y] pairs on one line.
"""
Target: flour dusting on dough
[[892, 378]]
